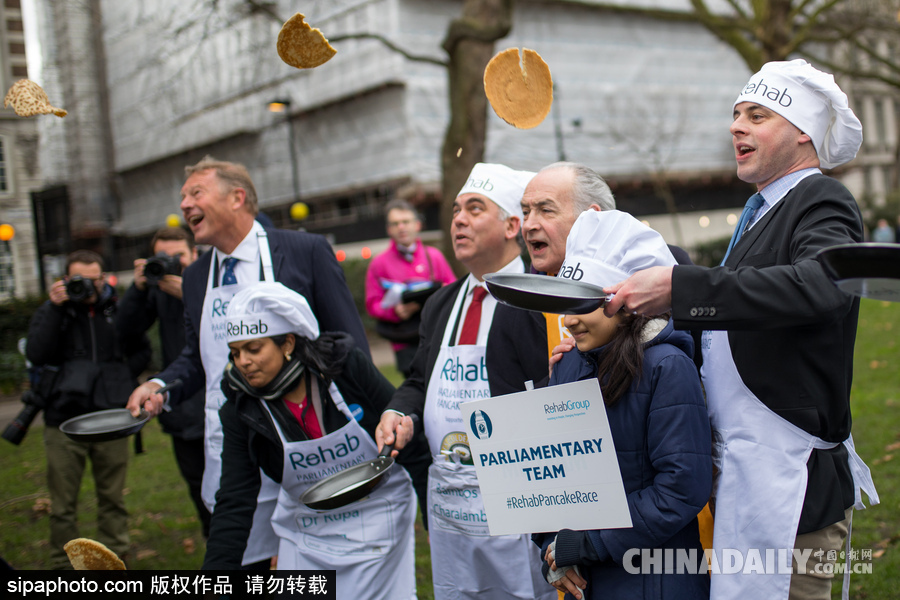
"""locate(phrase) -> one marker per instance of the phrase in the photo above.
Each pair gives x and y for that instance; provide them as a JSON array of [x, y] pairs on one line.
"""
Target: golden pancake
[[301, 46], [522, 94], [91, 555], [29, 99]]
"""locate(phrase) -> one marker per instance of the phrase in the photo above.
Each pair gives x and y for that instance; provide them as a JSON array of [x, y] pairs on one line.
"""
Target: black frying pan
[[350, 484], [542, 293], [106, 425], [867, 270]]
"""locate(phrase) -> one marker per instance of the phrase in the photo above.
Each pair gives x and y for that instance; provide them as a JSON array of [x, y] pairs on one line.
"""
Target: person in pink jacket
[[407, 268]]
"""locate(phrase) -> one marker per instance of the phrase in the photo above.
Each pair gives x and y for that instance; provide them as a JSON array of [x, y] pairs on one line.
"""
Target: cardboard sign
[[545, 460]]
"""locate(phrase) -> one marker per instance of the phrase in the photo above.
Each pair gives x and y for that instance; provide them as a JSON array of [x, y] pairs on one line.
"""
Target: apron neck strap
[[456, 316]]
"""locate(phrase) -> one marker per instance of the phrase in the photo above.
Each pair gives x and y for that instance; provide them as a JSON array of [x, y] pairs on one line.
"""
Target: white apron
[[370, 543], [262, 543], [761, 460], [466, 561]]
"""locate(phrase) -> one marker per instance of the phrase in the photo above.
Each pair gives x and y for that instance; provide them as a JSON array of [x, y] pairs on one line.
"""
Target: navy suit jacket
[[305, 263]]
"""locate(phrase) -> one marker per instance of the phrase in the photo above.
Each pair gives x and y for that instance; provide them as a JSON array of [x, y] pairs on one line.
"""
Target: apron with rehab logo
[[466, 561], [761, 483], [262, 543], [369, 543]]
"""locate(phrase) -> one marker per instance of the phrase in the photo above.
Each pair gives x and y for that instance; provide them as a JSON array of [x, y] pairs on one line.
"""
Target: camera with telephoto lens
[[161, 265], [78, 288], [15, 431]]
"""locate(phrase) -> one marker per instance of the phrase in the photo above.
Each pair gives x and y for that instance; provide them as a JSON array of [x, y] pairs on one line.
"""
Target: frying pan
[[542, 293], [869, 270], [351, 484], [106, 425]]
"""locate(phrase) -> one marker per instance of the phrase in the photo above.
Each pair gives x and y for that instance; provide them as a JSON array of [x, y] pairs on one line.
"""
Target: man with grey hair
[[551, 203]]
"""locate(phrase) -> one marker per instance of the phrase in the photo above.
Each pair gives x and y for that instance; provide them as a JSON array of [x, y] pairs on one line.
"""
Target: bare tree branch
[[389, 44]]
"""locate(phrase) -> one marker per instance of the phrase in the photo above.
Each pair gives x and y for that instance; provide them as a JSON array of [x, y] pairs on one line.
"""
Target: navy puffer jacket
[[662, 436]]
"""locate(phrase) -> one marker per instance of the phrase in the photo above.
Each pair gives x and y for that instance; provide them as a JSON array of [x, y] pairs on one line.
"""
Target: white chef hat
[[499, 183], [606, 247], [812, 101], [266, 309]]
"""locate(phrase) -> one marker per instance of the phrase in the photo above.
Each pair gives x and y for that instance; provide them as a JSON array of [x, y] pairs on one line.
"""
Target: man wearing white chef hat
[[778, 350], [449, 368]]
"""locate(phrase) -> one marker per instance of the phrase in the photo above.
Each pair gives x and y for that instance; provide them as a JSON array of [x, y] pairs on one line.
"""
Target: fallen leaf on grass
[[883, 459], [145, 554], [188, 545], [892, 447], [878, 553], [41, 507]]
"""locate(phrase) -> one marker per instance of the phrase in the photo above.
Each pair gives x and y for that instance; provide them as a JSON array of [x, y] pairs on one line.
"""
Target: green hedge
[[711, 253], [15, 315], [355, 272]]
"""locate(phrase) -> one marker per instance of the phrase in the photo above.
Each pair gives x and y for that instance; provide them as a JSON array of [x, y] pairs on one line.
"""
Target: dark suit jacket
[[509, 365], [303, 262], [791, 330]]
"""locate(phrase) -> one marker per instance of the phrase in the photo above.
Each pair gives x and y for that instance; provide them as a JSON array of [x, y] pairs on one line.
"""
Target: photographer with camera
[[76, 333], [156, 294]]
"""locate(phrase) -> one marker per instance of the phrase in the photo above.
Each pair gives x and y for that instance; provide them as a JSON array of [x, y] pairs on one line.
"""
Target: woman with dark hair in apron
[[302, 406]]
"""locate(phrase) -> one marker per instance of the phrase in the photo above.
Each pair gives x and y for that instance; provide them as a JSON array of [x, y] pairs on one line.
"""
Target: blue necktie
[[228, 277], [753, 204]]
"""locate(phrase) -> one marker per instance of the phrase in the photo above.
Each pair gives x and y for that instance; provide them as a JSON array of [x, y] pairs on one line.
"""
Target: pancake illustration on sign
[[520, 93], [90, 555], [302, 46], [29, 99]]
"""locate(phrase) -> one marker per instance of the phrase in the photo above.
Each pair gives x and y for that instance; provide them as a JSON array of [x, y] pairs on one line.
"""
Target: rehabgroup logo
[[570, 405]]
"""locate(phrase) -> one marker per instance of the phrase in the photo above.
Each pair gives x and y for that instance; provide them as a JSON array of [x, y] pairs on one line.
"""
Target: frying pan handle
[[169, 386], [388, 448]]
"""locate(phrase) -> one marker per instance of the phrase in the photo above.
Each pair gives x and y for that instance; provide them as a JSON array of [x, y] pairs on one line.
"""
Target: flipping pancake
[[91, 555], [301, 46], [522, 94], [29, 99]]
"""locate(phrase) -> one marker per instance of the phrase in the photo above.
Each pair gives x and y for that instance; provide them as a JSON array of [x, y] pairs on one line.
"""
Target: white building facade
[[181, 79]]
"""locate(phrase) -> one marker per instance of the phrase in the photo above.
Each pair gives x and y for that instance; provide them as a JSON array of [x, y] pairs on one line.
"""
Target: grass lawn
[[165, 532]]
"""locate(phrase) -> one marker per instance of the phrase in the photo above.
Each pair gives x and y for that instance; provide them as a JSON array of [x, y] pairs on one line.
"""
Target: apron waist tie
[[862, 477], [862, 482]]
